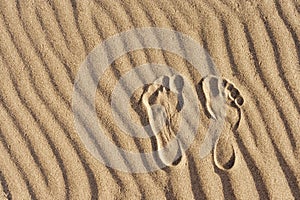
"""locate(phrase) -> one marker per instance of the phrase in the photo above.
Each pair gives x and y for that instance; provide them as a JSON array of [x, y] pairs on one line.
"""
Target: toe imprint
[[239, 101]]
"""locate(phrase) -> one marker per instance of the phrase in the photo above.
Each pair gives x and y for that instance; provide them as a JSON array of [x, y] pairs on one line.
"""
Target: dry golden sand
[[254, 44]]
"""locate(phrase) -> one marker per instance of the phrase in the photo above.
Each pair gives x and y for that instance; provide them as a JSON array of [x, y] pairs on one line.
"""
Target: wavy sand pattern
[[254, 44]]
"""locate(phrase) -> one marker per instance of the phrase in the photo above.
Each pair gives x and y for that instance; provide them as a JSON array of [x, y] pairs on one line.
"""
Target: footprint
[[218, 90], [163, 101]]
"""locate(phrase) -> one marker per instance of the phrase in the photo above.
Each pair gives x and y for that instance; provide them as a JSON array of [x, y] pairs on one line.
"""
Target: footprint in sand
[[163, 101], [216, 90]]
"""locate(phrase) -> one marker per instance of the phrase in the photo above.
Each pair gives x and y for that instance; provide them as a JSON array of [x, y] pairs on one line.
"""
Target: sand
[[254, 46]]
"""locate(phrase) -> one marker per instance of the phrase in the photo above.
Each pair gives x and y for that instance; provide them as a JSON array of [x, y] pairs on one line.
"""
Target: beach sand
[[254, 46]]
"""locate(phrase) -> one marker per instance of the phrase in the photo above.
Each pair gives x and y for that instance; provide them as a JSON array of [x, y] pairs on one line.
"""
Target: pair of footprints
[[164, 100]]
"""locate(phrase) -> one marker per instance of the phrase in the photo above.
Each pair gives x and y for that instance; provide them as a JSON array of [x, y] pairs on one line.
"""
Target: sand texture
[[255, 46]]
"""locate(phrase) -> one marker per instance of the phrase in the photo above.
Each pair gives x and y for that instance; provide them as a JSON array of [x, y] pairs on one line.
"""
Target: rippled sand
[[254, 45]]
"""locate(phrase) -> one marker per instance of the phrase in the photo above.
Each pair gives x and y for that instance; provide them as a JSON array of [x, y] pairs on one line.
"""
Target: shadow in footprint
[[201, 97], [139, 108]]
